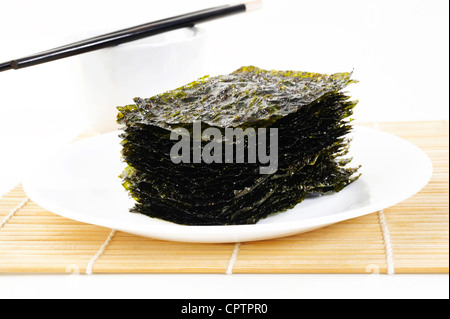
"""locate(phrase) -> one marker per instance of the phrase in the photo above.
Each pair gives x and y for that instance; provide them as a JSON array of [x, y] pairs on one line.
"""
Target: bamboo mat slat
[[33, 240]]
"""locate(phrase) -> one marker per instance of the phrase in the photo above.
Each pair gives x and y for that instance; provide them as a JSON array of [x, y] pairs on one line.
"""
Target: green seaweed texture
[[310, 111]]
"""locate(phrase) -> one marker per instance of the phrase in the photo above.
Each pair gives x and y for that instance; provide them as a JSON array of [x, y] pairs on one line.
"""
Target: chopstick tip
[[253, 5]]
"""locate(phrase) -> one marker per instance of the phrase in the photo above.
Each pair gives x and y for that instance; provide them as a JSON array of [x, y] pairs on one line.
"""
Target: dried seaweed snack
[[309, 111]]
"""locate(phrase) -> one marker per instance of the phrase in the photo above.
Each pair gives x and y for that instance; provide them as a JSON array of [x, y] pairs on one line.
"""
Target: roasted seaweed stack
[[309, 111]]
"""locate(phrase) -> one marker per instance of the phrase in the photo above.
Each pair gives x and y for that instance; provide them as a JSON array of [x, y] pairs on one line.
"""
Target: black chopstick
[[129, 34]]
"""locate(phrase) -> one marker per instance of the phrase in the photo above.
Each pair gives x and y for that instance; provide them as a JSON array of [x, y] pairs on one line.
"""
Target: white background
[[398, 50]]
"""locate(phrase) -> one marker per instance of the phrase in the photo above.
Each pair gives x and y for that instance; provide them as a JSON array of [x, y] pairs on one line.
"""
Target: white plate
[[81, 182]]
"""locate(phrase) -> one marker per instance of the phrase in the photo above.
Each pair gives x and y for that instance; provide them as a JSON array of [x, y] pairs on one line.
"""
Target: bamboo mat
[[411, 237]]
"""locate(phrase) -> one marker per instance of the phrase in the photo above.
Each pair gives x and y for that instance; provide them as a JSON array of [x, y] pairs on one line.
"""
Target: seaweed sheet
[[309, 110]]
